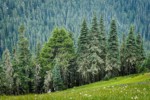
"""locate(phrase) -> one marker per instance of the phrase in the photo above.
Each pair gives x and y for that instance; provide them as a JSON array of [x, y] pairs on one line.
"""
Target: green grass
[[133, 87]]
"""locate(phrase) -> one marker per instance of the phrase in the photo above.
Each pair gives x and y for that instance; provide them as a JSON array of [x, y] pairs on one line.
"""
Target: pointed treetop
[[21, 29], [94, 24]]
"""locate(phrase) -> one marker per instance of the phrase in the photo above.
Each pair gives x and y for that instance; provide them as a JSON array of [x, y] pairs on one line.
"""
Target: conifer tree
[[73, 75], [61, 45], [140, 50], [112, 67], [15, 62], [57, 78], [8, 71], [37, 78], [37, 70], [140, 54], [38, 49], [48, 81], [131, 52], [103, 45], [147, 62], [95, 61], [83, 39], [123, 52], [82, 60], [2, 78], [72, 68], [24, 57]]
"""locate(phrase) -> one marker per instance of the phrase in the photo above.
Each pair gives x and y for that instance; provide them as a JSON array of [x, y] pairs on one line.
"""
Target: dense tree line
[[46, 14], [59, 64]]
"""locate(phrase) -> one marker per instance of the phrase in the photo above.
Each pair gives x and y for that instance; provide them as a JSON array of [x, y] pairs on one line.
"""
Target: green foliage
[[103, 46], [50, 13], [7, 72], [119, 88], [146, 63], [83, 39], [140, 50], [95, 61], [89, 59], [55, 65], [37, 71], [112, 64], [48, 81], [59, 45], [15, 62], [83, 51], [57, 78], [24, 57], [37, 78], [131, 52], [123, 56], [73, 75], [2, 80]]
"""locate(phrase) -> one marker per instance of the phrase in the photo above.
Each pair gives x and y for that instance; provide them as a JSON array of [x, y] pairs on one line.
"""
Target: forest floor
[[132, 87]]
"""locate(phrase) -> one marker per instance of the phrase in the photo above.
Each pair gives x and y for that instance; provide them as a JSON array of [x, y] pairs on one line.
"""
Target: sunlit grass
[[133, 87]]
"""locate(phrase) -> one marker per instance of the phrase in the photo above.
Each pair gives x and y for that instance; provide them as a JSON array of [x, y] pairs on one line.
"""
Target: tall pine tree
[[140, 49], [15, 63], [59, 45], [8, 71], [112, 67], [95, 59], [131, 52], [83, 53], [103, 47], [24, 57], [57, 78], [123, 68], [37, 70], [48, 81]]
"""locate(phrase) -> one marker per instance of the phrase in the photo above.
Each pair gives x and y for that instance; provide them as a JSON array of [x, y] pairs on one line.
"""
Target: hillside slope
[[133, 87]]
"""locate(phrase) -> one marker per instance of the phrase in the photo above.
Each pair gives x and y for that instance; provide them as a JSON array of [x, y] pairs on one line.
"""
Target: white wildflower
[[49, 91], [89, 96], [135, 97], [144, 89]]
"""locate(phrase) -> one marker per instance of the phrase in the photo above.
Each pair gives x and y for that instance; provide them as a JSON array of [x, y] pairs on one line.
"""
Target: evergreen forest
[[54, 45]]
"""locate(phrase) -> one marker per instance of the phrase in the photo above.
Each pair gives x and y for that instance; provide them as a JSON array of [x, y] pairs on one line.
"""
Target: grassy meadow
[[132, 87]]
